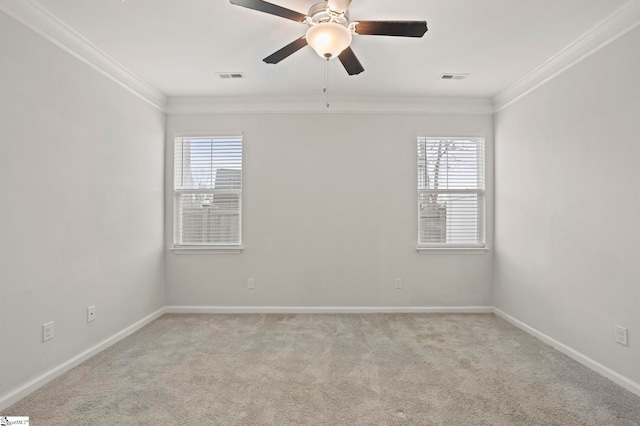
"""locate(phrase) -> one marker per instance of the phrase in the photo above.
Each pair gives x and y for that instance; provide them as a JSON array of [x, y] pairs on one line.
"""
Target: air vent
[[453, 76], [232, 75]]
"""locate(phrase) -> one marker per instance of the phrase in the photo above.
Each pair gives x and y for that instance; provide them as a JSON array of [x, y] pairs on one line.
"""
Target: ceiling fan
[[330, 30]]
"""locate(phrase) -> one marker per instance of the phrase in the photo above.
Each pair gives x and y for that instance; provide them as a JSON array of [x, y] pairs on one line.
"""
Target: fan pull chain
[[326, 82]]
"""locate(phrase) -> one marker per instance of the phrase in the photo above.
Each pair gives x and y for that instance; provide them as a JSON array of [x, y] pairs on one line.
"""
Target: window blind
[[208, 191], [451, 192]]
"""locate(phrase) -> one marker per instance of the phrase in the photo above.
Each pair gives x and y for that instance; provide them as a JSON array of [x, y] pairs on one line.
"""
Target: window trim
[[452, 250], [207, 249], [190, 249], [456, 248]]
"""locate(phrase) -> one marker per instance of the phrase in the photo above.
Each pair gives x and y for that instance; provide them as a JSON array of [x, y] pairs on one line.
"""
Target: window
[[207, 201], [451, 193]]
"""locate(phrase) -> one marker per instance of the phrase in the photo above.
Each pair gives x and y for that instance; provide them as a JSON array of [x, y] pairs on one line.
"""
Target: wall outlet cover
[[622, 335], [397, 283], [91, 313], [47, 331]]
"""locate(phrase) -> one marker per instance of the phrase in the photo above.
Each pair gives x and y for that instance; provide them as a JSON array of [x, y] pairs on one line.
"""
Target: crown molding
[[45, 23], [338, 105], [619, 22]]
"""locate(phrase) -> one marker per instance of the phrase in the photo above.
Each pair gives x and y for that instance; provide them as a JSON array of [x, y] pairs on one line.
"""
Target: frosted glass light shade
[[328, 39]]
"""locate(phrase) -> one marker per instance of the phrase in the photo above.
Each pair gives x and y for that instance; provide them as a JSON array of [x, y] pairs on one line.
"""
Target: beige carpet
[[393, 369]]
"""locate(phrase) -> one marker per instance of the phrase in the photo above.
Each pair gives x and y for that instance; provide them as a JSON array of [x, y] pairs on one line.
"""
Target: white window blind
[[208, 191], [451, 192]]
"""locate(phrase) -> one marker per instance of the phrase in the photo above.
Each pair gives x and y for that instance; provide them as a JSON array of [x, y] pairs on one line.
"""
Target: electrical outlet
[[91, 313], [622, 335], [47, 331], [251, 283], [397, 283]]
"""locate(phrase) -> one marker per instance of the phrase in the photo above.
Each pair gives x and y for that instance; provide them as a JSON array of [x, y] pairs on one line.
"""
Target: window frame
[[479, 247], [214, 248]]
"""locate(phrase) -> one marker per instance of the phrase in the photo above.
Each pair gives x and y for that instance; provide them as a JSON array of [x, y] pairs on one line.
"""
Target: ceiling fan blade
[[350, 62], [286, 51], [392, 28], [263, 6], [338, 6]]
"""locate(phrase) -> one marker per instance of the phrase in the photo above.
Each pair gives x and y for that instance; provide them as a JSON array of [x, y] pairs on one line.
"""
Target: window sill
[[208, 250], [452, 250]]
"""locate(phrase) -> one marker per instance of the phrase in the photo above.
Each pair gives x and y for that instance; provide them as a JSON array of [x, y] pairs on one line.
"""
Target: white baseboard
[[326, 309], [617, 378], [24, 390]]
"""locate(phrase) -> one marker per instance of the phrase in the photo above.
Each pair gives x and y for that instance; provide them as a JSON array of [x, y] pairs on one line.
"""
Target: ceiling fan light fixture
[[328, 39]]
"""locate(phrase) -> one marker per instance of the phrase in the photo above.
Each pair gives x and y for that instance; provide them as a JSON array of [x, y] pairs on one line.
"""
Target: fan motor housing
[[319, 13]]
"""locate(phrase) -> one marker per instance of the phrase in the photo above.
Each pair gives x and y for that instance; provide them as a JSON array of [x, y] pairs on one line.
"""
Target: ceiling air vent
[[231, 75], [451, 76]]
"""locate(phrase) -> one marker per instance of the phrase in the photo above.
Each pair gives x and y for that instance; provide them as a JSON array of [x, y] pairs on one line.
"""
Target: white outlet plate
[[397, 283], [622, 335], [47, 331], [91, 313], [251, 283]]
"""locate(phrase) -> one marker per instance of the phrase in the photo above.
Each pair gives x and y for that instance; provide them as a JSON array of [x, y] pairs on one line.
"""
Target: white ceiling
[[178, 46]]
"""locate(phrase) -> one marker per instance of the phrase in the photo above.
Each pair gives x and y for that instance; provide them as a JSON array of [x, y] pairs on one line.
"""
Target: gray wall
[[568, 205], [330, 216], [81, 184]]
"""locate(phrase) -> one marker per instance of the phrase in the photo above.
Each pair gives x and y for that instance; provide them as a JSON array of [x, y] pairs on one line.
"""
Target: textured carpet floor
[[378, 369]]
